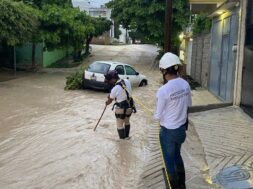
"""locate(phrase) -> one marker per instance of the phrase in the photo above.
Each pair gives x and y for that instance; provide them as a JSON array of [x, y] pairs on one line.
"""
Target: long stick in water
[[100, 118]]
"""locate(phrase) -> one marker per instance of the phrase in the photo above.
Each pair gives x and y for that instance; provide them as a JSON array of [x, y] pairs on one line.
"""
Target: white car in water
[[94, 74]]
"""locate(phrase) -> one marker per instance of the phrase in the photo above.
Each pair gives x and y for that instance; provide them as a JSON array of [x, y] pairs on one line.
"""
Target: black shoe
[[121, 133]]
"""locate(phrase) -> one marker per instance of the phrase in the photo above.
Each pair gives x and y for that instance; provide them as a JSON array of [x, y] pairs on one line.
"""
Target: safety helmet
[[111, 74], [169, 60]]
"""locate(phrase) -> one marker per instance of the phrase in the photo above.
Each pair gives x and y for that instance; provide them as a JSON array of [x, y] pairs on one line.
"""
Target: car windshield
[[99, 67]]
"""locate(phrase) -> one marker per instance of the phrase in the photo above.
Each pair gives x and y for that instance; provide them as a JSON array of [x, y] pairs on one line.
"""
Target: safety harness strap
[[129, 97]]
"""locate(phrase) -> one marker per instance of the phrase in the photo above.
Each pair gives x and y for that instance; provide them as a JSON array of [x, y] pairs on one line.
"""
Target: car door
[[132, 75], [121, 71]]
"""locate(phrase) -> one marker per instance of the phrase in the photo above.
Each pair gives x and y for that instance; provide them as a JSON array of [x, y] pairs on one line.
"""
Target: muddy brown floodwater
[[46, 133]]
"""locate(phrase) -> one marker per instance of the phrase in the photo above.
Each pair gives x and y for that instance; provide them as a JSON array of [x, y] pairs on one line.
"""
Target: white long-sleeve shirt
[[173, 100], [118, 93]]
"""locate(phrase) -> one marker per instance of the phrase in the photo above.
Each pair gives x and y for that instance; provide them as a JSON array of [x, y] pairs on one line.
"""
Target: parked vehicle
[[94, 74]]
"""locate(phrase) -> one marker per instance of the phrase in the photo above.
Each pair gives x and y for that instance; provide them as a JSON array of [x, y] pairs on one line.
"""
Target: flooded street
[[46, 133], [47, 139]]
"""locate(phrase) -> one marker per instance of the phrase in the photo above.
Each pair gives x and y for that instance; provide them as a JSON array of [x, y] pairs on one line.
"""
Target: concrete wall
[[24, 55], [200, 59], [42, 58], [50, 57]]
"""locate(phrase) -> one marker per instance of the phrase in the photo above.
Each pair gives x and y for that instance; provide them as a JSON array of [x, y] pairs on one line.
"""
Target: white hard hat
[[169, 60]]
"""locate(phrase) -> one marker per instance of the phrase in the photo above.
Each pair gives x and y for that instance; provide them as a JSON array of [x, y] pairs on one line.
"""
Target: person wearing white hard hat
[[173, 101]]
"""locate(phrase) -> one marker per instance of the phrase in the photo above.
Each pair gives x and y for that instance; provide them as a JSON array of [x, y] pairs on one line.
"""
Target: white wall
[[122, 37]]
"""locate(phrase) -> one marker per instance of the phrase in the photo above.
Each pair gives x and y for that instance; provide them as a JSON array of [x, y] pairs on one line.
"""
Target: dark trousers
[[171, 141]]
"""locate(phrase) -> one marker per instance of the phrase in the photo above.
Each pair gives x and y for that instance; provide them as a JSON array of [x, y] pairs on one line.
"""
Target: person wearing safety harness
[[121, 93], [173, 101]]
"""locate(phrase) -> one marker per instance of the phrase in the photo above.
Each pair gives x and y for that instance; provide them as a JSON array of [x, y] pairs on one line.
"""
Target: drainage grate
[[235, 177]]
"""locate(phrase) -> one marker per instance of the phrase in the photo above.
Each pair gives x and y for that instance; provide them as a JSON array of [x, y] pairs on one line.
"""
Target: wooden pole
[[100, 118], [168, 27]]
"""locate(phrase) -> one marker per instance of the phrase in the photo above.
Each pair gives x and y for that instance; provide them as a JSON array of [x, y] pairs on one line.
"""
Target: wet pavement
[[226, 137], [47, 139]]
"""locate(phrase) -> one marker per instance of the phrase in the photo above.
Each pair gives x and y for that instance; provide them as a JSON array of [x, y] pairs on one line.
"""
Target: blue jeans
[[171, 141]]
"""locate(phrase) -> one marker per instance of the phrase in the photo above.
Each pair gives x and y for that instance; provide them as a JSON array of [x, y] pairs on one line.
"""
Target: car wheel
[[143, 83]]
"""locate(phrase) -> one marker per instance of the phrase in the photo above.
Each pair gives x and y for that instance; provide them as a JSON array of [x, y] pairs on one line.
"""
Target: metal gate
[[224, 36]]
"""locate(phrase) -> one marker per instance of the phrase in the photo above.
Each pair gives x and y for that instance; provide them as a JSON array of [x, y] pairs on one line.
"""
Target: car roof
[[112, 63]]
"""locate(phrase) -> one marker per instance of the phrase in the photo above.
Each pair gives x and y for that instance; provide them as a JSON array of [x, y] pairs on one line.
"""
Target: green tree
[[63, 27], [39, 4], [201, 23], [16, 23], [117, 31], [122, 12], [101, 25], [146, 18]]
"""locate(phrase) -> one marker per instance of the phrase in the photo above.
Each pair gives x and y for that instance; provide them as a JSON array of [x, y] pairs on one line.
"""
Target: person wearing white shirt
[[173, 101], [121, 93]]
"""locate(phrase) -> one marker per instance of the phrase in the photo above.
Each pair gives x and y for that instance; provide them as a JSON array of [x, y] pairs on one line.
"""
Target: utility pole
[[168, 26]]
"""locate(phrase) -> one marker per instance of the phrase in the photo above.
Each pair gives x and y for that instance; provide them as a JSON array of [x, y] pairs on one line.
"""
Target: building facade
[[231, 53], [223, 50], [107, 37], [83, 5], [244, 68]]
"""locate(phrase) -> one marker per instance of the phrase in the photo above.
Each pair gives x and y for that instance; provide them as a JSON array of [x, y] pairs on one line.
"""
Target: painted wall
[[43, 59], [24, 55], [50, 57]]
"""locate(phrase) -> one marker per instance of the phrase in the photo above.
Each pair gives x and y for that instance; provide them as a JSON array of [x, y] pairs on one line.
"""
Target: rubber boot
[[127, 130], [121, 133]]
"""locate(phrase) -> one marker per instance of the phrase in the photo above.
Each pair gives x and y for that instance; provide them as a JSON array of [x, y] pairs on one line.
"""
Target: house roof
[[204, 6], [224, 7], [206, 1]]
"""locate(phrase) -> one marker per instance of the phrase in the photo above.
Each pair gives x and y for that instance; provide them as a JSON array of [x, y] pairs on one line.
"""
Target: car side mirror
[[137, 73]]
